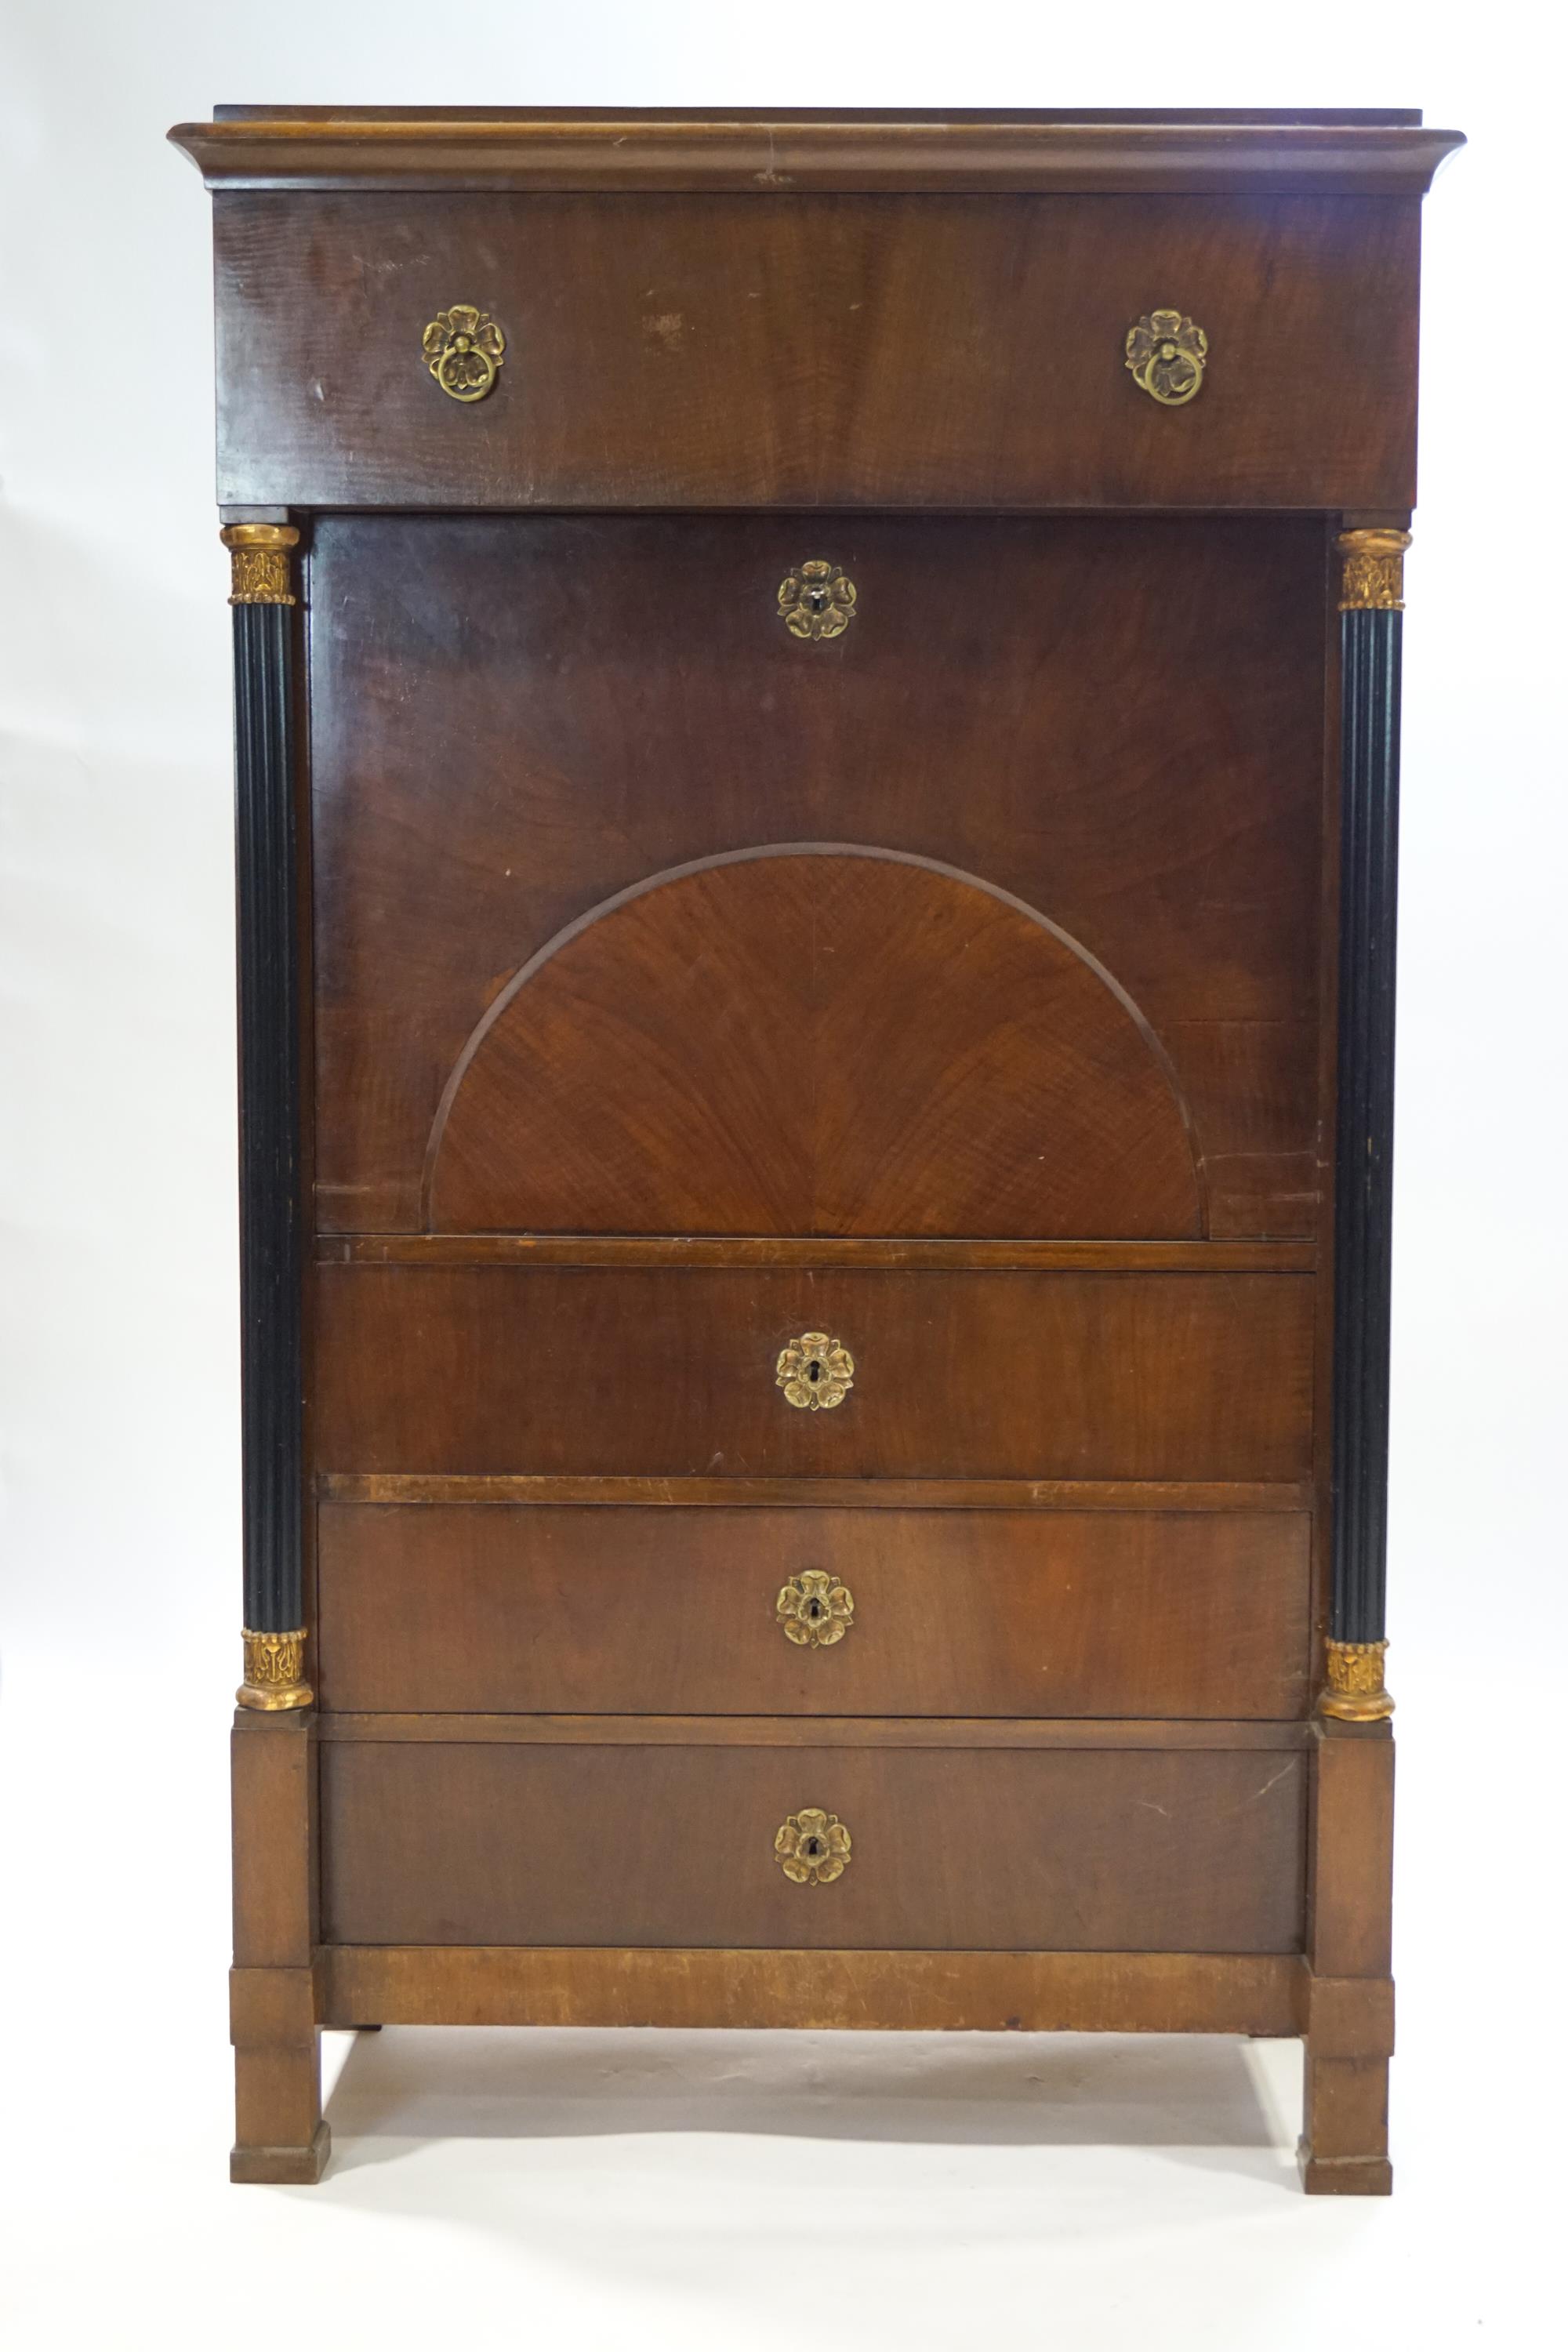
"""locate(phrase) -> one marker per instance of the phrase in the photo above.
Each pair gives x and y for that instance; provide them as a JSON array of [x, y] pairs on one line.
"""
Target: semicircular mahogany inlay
[[804, 1041]]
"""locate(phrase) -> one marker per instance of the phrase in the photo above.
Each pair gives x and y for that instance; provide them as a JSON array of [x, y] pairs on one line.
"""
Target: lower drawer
[[496, 1608], [1134, 1848]]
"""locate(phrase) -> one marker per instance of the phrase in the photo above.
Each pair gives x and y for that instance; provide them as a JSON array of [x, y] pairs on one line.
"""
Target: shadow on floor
[[425, 2082]]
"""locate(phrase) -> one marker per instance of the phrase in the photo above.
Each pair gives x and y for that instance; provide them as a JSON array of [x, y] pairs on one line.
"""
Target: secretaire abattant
[[818, 723]]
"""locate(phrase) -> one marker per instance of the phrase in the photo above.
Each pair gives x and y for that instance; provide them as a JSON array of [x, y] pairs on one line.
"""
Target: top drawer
[[738, 351]]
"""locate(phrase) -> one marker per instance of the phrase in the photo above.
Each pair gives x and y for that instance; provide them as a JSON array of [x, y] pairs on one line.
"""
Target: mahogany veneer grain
[[812, 350], [449, 1608], [496, 1369], [1109, 776], [453, 1842]]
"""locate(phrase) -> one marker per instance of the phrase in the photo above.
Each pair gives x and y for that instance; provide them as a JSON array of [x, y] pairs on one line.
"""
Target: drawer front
[[720, 351], [497, 1370], [496, 1608], [1111, 1849]]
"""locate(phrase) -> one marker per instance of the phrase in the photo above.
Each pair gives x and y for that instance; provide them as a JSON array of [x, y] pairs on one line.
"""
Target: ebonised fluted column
[[270, 1216], [1372, 615]]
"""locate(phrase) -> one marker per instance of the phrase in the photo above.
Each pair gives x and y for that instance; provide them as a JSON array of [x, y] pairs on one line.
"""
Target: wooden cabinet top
[[1333, 152], [877, 310]]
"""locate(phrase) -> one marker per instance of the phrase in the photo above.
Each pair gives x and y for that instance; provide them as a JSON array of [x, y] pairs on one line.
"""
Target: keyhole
[[816, 598], [814, 1610], [814, 1369], [814, 1849]]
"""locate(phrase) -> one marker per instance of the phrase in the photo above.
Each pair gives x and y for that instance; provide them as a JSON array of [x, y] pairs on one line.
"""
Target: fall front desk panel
[[999, 913]]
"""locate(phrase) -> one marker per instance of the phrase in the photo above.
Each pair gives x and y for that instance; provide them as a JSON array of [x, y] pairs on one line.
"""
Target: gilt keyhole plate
[[813, 1610], [816, 600], [816, 1372], [812, 1847]]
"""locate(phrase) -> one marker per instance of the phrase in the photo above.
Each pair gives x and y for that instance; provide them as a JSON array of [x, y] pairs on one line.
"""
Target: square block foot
[[1344, 2176], [289, 2167]]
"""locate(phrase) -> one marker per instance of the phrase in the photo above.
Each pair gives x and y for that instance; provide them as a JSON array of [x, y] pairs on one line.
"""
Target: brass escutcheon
[[816, 600], [1167, 355], [815, 1611], [812, 1847], [815, 1373], [463, 349]]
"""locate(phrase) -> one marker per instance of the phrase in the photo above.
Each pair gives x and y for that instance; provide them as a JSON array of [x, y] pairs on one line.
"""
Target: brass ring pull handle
[[1167, 355], [811, 1847], [464, 350], [815, 1611], [816, 600], [815, 1373]]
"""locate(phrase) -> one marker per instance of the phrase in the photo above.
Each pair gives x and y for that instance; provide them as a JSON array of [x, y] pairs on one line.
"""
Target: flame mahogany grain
[[1118, 721], [1145, 1850], [493, 1608], [1101, 1376], [813, 350]]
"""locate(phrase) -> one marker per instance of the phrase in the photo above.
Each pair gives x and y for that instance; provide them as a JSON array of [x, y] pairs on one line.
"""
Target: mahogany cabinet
[[817, 710]]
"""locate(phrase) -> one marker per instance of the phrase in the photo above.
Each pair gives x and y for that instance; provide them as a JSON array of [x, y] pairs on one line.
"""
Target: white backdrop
[[728, 2190]]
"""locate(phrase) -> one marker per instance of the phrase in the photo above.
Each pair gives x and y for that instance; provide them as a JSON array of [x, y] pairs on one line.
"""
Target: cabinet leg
[[1349, 2016], [280, 2134], [1344, 2142]]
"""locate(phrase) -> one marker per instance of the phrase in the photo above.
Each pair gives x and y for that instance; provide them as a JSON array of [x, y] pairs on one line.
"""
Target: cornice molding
[[371, 150]]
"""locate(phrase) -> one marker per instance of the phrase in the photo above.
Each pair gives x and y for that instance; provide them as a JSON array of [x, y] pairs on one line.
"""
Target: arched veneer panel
[[814, 1039]]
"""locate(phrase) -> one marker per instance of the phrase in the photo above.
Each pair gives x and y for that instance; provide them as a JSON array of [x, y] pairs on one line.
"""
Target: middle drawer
[[809, 1372], [620, 1609]]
